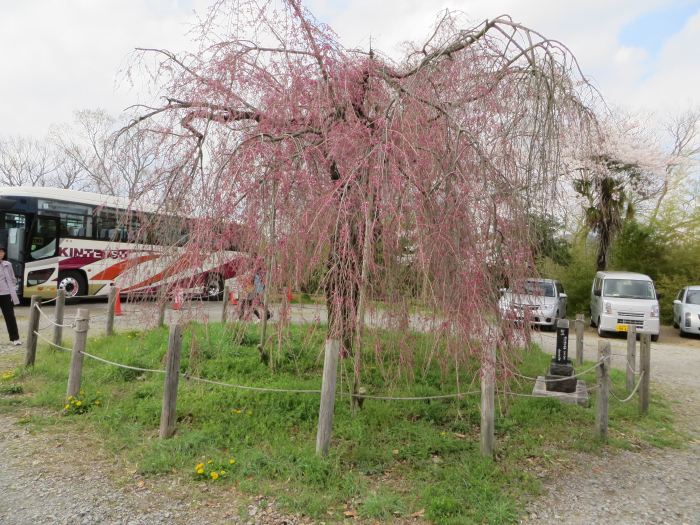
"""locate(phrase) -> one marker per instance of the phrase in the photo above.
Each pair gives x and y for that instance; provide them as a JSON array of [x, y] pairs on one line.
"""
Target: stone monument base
[[579, 397]]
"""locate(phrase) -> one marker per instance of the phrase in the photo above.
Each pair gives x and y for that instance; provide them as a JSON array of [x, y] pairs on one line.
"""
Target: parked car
[[538, 301], [686, 310], [621, 299]]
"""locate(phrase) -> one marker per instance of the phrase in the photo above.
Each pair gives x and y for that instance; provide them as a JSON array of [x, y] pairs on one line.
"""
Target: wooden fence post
[[30, 357], [172, 376], [110, 310], [644, 371], [603, 374], [82, 323], [579, 338], [325, 415], [224, 307], [488, 405], [631, 356], [58, 317]]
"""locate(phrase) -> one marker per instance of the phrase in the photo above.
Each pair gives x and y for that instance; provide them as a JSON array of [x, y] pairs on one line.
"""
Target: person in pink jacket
[[8, 297]]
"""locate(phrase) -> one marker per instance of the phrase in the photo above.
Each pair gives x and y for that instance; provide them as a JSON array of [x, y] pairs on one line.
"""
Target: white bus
[[86, 242]]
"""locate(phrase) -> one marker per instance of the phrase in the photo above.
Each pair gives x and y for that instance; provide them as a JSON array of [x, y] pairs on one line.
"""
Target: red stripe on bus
[[178, 266], [116, 269]]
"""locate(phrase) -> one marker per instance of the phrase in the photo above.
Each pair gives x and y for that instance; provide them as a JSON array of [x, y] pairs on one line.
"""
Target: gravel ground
[[646, 487], [46, 479], [651, 486]]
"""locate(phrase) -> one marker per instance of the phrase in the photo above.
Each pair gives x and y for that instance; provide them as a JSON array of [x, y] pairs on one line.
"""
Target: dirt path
[[653, 486]]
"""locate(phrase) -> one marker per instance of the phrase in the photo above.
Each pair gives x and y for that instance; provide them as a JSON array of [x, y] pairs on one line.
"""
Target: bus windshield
[[628, 289], [12, 228]]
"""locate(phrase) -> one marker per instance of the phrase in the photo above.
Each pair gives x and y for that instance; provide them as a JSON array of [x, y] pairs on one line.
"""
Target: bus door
[[42, 261], [13, 227]]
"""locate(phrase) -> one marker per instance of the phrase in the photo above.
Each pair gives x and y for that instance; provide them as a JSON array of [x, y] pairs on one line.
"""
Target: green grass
[[390, 459]]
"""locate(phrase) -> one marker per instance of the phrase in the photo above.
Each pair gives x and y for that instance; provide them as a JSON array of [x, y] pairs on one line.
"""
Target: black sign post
[[562, 352], [561, 371]]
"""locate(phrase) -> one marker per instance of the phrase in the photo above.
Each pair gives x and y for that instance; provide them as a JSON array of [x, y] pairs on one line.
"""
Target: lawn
[[391, 459]]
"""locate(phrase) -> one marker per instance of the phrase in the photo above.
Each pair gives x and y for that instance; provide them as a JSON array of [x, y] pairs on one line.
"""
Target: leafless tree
[[25, 162]]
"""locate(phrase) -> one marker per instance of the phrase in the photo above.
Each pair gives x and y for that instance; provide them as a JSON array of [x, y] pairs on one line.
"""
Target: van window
[[628, 288], [692, 297], [597, 285]]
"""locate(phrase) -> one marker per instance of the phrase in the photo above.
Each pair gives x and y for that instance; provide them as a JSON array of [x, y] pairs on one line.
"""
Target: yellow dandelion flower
[[231, 461], [210, 462], [78, 403], [66, 407], [200, 471], [199, 465], [97, 402], [214, 475], [222, 472], [250, 412]]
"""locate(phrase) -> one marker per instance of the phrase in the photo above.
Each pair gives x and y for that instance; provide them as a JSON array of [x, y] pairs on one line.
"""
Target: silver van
[[621, 299]]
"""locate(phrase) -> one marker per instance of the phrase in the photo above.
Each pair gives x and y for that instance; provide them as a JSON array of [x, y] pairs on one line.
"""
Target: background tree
[[624, 169]]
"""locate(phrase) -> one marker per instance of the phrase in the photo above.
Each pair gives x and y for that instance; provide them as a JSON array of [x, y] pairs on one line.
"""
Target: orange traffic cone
[[177, 300], [117, 304], [232, 298], [290, 297]]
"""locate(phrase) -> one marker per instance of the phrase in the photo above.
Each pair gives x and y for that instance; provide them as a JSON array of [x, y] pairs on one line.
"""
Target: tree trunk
[[362, 299]]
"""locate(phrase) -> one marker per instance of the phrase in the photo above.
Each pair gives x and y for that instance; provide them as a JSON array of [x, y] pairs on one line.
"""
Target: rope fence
[[327, 391]]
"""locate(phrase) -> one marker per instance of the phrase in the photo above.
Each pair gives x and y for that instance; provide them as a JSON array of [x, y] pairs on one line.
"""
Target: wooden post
[[603, 373], [82, 323], [631, 356], [172, 376], [161, 311], [33, 327], [644, 371], [325, 415], [579, 339], [488, 405], [110, 310], [224, 307], [58, 317]]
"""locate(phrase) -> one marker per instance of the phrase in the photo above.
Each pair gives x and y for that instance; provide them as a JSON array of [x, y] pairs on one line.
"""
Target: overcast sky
[[57, 56]]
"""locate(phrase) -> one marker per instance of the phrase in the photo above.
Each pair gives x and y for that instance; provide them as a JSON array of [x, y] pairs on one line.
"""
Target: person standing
[[8, 297]]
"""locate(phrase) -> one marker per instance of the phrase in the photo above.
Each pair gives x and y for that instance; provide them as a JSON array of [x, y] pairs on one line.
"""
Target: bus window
[[43, 239], [106, 225], [76, 226]]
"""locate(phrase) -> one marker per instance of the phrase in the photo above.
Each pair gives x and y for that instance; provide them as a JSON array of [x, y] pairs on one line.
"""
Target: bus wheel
[[73, 283], [214, 289]]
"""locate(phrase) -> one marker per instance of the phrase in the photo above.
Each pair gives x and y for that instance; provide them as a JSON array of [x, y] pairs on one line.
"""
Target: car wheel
[[214, 289], [73, 283], [601, 333], [675, 324], [654, 337], [682, 332]]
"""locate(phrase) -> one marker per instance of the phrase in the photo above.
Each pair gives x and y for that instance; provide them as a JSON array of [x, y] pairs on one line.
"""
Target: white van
[[621, 299]]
